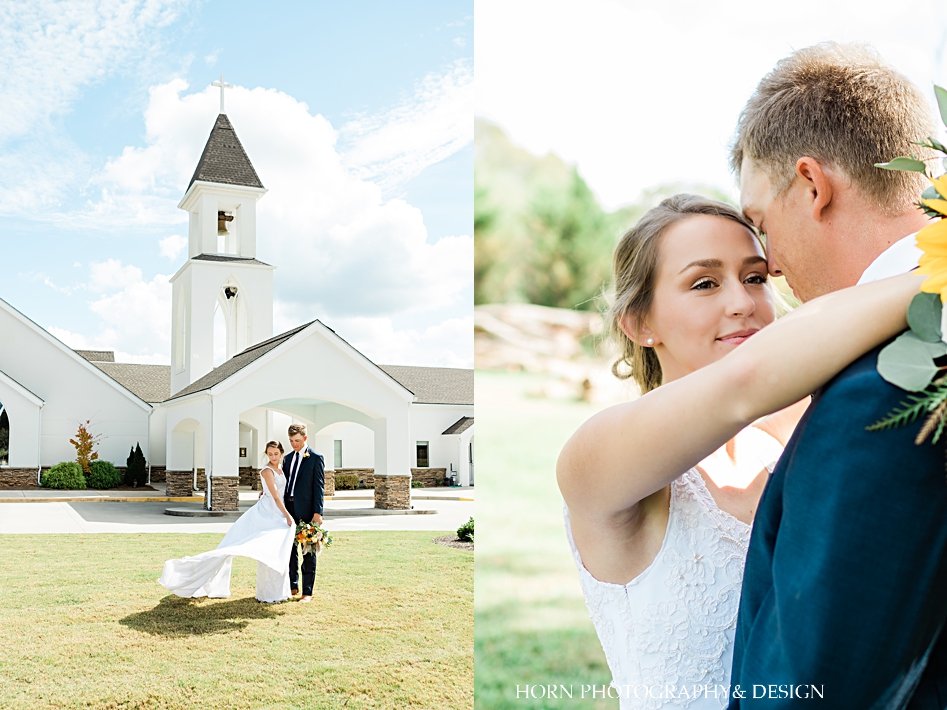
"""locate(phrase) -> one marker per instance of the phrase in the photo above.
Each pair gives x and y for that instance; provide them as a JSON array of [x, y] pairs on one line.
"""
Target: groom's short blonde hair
[[295, 429], [842, 105]]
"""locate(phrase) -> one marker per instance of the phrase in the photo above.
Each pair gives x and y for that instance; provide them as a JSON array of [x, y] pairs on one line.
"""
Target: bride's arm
[[270, 481], [629, 451]]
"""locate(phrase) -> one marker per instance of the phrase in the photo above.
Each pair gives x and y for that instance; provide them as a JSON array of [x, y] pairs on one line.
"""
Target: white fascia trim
[[222, 188], [376, 371], [20, 389], [72, 353]]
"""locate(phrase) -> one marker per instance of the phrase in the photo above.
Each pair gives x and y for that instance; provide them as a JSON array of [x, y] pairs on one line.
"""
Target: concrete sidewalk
[[145, 512]]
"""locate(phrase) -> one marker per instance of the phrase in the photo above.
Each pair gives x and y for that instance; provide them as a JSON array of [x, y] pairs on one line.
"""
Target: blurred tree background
[[540, 235]]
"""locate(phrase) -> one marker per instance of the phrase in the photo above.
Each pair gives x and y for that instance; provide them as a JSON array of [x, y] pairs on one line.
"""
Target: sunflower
[[932, 240]]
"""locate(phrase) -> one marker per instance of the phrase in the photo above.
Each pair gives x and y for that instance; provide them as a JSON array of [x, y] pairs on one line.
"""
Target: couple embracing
[[293, 492], [737, 541]]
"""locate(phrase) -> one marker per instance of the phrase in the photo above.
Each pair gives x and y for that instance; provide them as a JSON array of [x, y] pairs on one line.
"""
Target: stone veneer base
[[15, 477], [393, 492], [180, 484], [225, 493]]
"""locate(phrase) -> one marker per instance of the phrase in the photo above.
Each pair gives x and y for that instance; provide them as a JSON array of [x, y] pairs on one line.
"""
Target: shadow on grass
[[177, 617]]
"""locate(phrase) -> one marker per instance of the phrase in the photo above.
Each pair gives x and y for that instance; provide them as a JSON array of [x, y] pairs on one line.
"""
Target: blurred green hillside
[[540, 235]]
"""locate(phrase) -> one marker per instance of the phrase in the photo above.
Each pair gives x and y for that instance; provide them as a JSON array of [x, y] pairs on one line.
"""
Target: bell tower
[[222, 273]]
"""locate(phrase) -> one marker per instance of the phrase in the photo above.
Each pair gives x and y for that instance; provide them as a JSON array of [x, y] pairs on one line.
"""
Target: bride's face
[[710, 293], [274, 456]]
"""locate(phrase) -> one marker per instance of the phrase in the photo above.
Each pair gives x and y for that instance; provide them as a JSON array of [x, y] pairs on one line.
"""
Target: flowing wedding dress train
[[261, 534]]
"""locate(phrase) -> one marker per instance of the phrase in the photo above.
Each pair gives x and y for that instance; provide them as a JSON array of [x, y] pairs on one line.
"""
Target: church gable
[[29, 355]]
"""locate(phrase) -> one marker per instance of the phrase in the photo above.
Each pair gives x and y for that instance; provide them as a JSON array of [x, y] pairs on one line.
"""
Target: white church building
[[204, 427]]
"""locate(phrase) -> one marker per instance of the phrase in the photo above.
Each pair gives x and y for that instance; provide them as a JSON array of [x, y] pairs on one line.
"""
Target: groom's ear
[[817, 183]]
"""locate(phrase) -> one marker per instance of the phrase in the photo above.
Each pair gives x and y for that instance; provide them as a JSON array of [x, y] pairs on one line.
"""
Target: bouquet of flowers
[[309, 538], [914, 361]]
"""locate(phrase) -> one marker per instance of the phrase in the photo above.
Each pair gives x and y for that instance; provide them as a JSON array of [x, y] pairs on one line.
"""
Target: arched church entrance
[[349, 451]]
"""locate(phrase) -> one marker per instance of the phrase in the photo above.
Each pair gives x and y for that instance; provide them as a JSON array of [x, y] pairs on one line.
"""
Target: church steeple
[[222, 278]]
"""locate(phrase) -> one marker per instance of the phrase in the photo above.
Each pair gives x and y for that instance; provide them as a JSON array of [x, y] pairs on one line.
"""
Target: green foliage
[[924, 316], [136, 468], [908, 361], [346, 481], [540, 235], [103, 474], [931, 399], [66, 475], [417, 484], [908, 164], [466, 531], [941, 95]]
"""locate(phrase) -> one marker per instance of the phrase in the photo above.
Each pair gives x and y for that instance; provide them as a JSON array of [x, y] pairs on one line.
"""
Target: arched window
[[4, 437]]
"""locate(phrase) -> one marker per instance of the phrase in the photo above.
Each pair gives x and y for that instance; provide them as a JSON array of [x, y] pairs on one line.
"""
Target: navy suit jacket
[[310, 484], [845, 586]]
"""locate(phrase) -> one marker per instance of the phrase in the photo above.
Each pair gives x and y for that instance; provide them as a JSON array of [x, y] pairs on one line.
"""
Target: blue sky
[[367, 107]]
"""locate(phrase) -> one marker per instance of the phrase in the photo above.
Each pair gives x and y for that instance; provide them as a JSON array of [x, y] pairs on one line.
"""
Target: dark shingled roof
[[435, 385], [97, 355], [151, 383], [238, 362], [228, 258], [458, 427], [224, 160]]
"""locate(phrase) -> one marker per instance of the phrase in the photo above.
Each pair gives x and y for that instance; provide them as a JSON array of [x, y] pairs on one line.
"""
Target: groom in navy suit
[[305, 491], [845, 587]]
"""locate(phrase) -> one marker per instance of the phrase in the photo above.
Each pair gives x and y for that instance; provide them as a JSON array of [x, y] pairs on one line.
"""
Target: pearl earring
[[650, 341]]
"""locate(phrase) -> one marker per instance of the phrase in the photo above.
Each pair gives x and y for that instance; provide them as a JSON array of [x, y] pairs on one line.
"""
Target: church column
[[393, 461], [224, 464]]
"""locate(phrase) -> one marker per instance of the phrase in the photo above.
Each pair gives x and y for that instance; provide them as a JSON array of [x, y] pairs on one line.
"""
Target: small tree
[[85, 443], [136, 468]]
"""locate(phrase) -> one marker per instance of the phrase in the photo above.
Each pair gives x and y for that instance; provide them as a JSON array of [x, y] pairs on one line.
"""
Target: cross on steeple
[[223, 85]]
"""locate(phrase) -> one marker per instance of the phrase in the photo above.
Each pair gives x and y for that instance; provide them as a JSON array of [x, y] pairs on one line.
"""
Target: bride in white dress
[[660, 553], [264, 533]]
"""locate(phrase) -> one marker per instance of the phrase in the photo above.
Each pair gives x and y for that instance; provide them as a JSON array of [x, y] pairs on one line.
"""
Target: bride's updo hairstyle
[[634, 271], [273, 445]]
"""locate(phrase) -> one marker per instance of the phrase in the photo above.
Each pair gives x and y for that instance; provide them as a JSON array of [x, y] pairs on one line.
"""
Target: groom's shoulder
[[859, 384]]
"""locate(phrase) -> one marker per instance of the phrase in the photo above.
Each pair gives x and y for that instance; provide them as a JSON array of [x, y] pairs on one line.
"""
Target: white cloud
[[110, 275], [433, 124], [52, 51], [339, 245], [134, 320], [172, 246]]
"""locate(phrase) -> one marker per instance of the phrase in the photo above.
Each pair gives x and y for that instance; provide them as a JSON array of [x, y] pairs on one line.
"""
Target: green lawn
[[85, 624], [532, 627]]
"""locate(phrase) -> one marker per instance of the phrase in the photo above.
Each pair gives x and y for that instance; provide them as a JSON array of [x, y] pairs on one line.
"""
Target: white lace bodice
[[278, 478], [674, 623]]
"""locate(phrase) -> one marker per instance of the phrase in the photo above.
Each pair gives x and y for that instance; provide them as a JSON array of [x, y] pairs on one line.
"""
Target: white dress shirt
[[900, 258]]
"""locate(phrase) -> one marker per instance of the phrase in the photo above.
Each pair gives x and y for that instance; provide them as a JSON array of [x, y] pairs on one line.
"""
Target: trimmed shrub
[[417, 484], [136, 468], [466, 531], [67, 474], [346, 481], [102, 474]]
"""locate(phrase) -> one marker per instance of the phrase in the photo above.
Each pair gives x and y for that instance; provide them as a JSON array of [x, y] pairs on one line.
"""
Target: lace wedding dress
[[261, 534], [668, 634]]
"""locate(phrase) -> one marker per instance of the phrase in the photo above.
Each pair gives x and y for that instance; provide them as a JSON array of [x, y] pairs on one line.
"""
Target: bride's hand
[[289, 520]]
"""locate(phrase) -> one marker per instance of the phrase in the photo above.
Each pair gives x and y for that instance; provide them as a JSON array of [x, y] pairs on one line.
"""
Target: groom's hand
[[317, 519]]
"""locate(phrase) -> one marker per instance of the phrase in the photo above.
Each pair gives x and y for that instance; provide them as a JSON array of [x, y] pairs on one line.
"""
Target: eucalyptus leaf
[[904, 163], [907, 362], [937, 145], [924, 316], [941, 95], [931, 193]]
